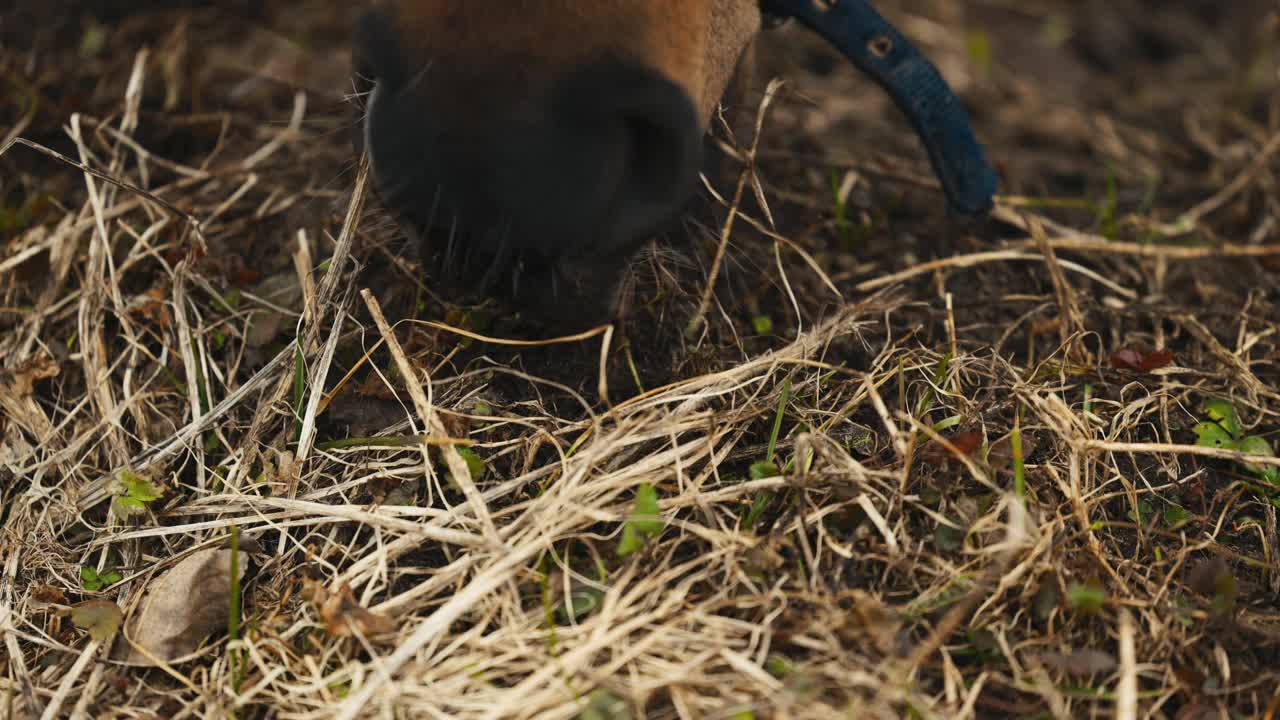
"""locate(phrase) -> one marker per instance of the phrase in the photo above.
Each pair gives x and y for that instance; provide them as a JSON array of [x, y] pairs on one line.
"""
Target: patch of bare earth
[[890, 465]]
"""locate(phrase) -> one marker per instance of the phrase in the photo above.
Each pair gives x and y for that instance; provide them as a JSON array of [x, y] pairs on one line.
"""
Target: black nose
[[625, 142], [502, 163], [605, 155]]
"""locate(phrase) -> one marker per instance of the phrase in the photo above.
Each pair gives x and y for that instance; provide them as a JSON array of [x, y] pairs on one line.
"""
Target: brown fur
[[504, 50]]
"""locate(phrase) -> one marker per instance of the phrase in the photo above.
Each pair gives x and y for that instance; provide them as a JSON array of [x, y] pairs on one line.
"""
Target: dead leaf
[[1155, 360], [100, 618], [1215, 580], [282, 290], [344, 617], [245, 278], [1130, 358], [456, 425], [152, 306], [1190, 680], [183, 606], [362, 414], [870, 618], [1046, 326], [183, 253], [1126, 358], [44, 595], [264, 328], [1000, 456], [373, 386], [1199, 711], [1080, 663], [41, 367], [767, 556], [966, 442]]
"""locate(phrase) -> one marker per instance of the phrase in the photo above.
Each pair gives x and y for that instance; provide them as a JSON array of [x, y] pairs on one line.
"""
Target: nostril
[[659, 164], [654, 157]]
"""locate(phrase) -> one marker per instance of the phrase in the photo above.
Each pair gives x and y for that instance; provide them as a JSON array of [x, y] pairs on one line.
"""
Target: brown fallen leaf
[[1190, 680], [44, 595], [1000, 456], [24, 377], [1130, 358], [1155, 360], [282, 290], [1126, 358], [182, 606], [1046, 326], [455, 424], [1214, 579], [152, 305], [100, 618], [1080, 663], [966, 442], [363, 415], [1200, 711], [868, 617], [344, 617]]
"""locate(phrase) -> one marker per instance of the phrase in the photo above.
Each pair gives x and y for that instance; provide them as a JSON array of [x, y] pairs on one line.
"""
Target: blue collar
[[915, 85]]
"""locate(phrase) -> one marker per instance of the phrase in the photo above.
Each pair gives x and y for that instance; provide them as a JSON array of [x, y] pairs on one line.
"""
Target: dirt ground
[[254, 464]]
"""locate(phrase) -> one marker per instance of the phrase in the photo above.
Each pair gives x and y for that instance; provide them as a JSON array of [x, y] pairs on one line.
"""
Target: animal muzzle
[[518, 181], [604, 157], [535, 174]]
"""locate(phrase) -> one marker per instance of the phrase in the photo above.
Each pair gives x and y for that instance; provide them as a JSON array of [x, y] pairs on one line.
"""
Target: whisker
[[450, 243], [420, 75], [516, 271], [431, 214], [356, 96], [501, 257]]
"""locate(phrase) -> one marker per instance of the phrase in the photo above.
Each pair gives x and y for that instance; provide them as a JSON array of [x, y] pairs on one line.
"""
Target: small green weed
[[1222, 429], [134, 494], [645, 521], [92, 580]]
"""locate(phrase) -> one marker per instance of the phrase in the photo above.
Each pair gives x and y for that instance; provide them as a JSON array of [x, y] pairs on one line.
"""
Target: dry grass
[[934, 497]]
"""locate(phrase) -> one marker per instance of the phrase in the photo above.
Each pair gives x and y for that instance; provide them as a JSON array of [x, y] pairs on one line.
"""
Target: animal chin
[[478, 260]]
